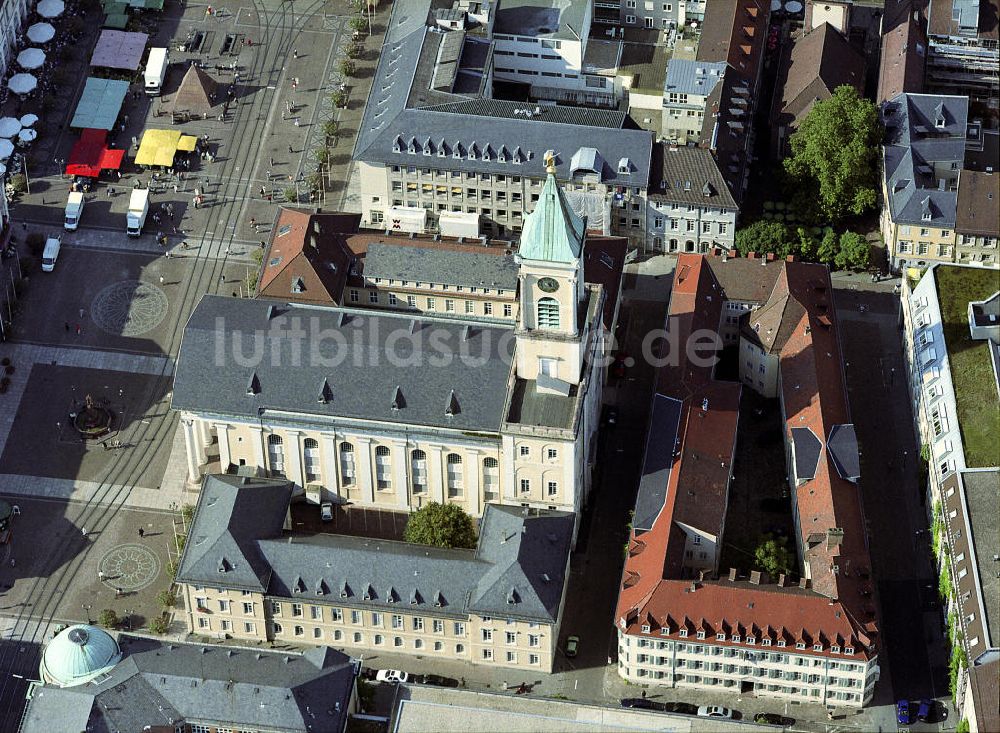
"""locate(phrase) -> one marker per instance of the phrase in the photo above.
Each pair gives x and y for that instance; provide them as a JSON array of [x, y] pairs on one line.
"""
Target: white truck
[[138, 207], [50, 254], [74, 210], [156, 71]]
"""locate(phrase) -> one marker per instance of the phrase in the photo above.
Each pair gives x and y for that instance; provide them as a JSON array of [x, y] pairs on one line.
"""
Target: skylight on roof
[[284, 229]]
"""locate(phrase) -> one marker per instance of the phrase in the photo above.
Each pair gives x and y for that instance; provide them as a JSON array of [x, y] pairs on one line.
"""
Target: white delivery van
[[138, 207], [156, 71], [50, 254], [74, 209]]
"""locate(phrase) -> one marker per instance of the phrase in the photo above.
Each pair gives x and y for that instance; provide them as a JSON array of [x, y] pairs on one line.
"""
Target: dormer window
[[720, 637], [736, 638], [645, 628], [835, 649], [800, 645], [624, 167], [412, 149], [781, 643], [701, 634], [848, 650], [397, 145], [683, 633], [473, 152], [456, 151], [751, 640], [765, 642], [817, 647]]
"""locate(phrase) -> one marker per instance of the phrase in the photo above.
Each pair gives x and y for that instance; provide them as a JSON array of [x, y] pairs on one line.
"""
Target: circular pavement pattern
[[129, 308], [130, 567]]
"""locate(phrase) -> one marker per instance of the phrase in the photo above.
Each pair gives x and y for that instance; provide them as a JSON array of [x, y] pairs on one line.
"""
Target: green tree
[[358, 24], [108, 618], [854, 252], [339, 98], [772, 555], [158, 625], [829, 246], [166, 598], [761, 237], [835, 154], [347, 67], [807, 246], [441, 525], [20, 184]]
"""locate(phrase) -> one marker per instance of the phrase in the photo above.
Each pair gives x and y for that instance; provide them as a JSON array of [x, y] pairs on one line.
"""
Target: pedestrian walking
[[78, 329], [67, 326], [168, 254], [271, 159], [118, 592], [262, 190], [100, 575], [82, 311], [142, 533], [295, 53], [290, 150], [161, 279], [296, 121], [222, 279], [268, 175], [110, 191], [83, 531], [175, 188], [253, 222]]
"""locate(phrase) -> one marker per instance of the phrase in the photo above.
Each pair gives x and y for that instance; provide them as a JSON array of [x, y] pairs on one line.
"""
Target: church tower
[[550, 337]]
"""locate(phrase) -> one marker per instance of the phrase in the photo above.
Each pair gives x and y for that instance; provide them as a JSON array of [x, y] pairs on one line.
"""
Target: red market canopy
[[90, 155]]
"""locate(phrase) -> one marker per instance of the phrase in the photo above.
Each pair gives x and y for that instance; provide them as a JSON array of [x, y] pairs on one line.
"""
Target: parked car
[[903, 712], [682, 708], [773, 719], [572, 646], [391, 675], [641, 703], [326, 511], [714, 711], [436, 679], [925, 711]]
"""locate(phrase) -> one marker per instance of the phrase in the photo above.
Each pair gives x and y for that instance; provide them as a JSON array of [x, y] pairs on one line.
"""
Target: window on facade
[[275, 455], [508, 310], [491, 478], [548, 313], [459, 628], [455, 482], [397, 621], [487, 309], [411, 301], [525, 486], [551, 488], [310, 455], [418, 470], [296, 609], [383, 467], [346, 464]]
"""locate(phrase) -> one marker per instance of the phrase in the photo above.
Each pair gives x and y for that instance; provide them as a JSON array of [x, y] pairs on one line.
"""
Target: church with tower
[[404, 371]]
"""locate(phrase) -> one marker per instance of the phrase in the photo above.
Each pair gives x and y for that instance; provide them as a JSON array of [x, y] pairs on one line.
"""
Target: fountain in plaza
[[92, 420]]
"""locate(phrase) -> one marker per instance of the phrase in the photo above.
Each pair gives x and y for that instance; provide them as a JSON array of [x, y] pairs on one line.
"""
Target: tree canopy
[[773, 556], [854, 252], [834, 160], [441, 525], [764, 236]]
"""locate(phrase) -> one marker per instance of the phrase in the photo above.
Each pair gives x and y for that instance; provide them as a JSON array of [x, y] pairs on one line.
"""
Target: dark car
[[925, 711], [773, 719], [684, 708], [903, 712], [641, 703], [436, 680]]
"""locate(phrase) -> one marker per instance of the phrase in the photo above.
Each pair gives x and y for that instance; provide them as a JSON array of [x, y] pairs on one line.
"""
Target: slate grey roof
[[688, 175], [354, 358], [843, 447], [528, 406], [440, 266], [807, 448], [386, 575], [403, 104], [165, 684], [923, 132], [984, 517], [687, 76], [232, 512], [541, 18], [658, 461], [526, 551]]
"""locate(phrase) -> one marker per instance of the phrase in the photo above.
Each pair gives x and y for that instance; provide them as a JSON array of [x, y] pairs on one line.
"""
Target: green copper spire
[[552, 232]]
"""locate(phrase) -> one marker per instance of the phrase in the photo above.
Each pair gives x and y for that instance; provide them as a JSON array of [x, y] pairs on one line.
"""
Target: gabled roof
[[307, 260], [552, 232], [231, 512], [814, 65]]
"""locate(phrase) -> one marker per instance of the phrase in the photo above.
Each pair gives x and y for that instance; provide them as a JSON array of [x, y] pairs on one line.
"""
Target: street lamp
[[86, 607]]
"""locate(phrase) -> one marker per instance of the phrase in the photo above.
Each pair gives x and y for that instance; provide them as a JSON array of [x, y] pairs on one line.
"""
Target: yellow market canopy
[[158, 147]]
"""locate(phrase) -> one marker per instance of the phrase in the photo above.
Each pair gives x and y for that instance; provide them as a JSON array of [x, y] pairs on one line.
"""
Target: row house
[[810, 639], [498, 604]]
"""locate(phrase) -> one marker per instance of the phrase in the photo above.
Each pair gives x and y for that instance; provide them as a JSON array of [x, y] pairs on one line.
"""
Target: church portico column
[[474, 501], [363, 466], [400, 474], [225, 455], [331, 478], [191, 448]]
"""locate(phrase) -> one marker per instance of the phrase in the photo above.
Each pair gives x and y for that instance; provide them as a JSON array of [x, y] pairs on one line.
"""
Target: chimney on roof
[[751, 255], [781, 580], [803, 583], [693, 587], [834, 537], [790, 258], [755, 576], [770, 257], [732, 575]]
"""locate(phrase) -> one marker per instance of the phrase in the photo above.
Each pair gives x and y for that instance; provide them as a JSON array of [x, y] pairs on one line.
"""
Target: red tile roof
[[814, 396]]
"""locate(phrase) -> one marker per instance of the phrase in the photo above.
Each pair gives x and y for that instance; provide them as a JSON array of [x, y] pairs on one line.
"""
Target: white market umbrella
[[9, 127], [29, 119], [31, 58], [41, 33], [22, 83], [6, 148], [51, 8], [27, 135]]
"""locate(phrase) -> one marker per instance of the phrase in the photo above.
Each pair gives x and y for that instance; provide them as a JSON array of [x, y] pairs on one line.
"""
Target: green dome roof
[[77, 655], [552, 232]]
